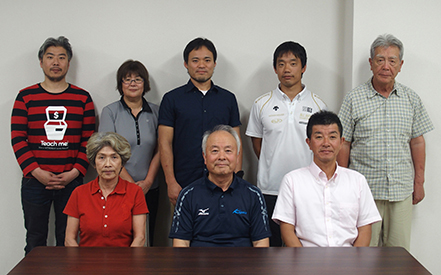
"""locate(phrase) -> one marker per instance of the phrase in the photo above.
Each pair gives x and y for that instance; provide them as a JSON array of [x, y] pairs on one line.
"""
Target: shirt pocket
[[348, 215]]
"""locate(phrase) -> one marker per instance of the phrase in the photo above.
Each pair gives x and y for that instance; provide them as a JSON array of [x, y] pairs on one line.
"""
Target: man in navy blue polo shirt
[[187, 112], [220, 209]]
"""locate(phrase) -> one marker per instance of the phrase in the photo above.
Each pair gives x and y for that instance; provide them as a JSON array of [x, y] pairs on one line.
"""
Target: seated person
[[220, 209], [325, 204], [107, 211]]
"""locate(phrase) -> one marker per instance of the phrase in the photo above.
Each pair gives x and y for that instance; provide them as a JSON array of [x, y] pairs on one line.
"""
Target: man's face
[[55, 63], [385, 65], [221, 153], [325, 143], [289, 70], [200, 65]]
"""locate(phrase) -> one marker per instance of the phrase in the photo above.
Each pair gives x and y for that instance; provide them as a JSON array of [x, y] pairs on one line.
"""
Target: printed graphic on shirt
[[239, 212], [55, 128], [55, 125]]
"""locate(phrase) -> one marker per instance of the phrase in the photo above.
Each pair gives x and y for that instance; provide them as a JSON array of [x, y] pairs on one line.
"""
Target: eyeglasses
[[129, 81]]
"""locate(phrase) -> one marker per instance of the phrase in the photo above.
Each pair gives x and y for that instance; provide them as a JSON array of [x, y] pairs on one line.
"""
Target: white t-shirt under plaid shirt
[[380, 130]]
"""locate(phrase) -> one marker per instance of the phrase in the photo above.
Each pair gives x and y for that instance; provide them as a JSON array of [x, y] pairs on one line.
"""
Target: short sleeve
[[284, 210], [140, 206], [71, 208], [166, 111], [346, 118], [421, 121], [255, 127], [107, 121]]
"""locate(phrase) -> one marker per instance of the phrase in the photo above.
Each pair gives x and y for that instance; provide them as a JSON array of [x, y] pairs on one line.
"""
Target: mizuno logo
[[203, 212], [275, 108], [239, 212]]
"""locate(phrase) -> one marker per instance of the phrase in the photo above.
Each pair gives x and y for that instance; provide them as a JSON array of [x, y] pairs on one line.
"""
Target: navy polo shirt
[[207, 216], [191, 113]]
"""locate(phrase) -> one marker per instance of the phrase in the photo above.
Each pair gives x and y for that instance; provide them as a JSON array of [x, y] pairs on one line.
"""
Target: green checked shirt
[[380, 130]]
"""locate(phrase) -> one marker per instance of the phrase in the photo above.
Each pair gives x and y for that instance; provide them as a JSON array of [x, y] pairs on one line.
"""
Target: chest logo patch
[[275, 108], [239, 212], [203, 212]]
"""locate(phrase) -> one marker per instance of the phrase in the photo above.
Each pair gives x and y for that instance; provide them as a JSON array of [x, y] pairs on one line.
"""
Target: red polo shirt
[[106, 222]]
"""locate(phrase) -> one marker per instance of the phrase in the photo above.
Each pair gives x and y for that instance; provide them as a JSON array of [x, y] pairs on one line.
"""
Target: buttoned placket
[[387, 115], [105, 215], [323, 181], [291, 107]]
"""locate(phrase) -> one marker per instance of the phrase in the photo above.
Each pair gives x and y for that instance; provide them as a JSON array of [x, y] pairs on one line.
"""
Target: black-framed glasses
[[129, 81]]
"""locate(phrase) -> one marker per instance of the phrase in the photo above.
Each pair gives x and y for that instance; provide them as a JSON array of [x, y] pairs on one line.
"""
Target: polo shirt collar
[[319, 174], [373, 92], [210, 185], [120, 187], [145, 105], [299, 96], [191, 87]]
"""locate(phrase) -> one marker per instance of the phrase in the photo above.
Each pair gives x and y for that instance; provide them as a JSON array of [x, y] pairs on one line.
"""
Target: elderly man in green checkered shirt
[[383, 125]]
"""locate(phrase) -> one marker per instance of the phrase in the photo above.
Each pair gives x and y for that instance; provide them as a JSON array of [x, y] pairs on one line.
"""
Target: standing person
[[324, 204], [187, 112], [50, 125], [137, 120], [220, 209], [384, 123], [277, 125]]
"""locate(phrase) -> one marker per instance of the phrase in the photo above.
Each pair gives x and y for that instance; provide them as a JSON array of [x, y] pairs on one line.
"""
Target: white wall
[[106, 33]]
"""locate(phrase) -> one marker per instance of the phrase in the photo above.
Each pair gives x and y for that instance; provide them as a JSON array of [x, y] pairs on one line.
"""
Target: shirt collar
[[373, 92], [120, 187], [145, 105], [210, 185], [299, 96], [190, 87], [319, 174]]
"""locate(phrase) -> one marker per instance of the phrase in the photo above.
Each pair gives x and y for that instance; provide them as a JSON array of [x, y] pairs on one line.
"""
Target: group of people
[[304, 195]]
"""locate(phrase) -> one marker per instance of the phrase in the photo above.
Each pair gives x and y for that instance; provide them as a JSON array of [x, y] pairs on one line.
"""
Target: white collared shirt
[[281, 123], [325, 212]]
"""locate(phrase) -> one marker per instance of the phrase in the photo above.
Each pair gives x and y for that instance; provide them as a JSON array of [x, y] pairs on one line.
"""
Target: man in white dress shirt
[[324, 204]]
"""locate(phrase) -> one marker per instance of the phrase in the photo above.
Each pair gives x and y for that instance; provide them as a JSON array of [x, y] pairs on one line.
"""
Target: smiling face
[[221, 154], [325, 143], [132, 87], [289, 71], [55, 63], [200, 65], [385, 65], [108, 164]]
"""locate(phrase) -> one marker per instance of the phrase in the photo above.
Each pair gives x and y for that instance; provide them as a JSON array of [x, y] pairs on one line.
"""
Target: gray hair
[[386, 40], [59, 42], [101, 139], [226, 128]]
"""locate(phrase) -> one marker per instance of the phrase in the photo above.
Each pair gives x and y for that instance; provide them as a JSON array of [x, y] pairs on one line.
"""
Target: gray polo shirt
[[141, 133]]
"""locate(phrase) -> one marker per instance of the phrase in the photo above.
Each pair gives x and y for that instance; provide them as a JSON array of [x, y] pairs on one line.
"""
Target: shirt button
[[105, 216], [104, 207], [102, 198], [222, 205], [105, 225]]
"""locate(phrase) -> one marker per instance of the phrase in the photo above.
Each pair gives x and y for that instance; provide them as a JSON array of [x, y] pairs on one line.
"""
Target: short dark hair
[[290, 47], [196, 44], [132, 67], [59, 42], [323, 117]]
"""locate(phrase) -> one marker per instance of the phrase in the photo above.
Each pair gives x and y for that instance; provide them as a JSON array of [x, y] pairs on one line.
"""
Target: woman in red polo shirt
[[107, 211]]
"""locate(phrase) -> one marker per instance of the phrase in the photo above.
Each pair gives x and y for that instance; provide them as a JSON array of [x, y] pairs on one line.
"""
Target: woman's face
[[133, 86], [108, 164]]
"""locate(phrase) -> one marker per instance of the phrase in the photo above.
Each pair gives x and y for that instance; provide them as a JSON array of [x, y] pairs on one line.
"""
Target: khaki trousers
[[394, 229]]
